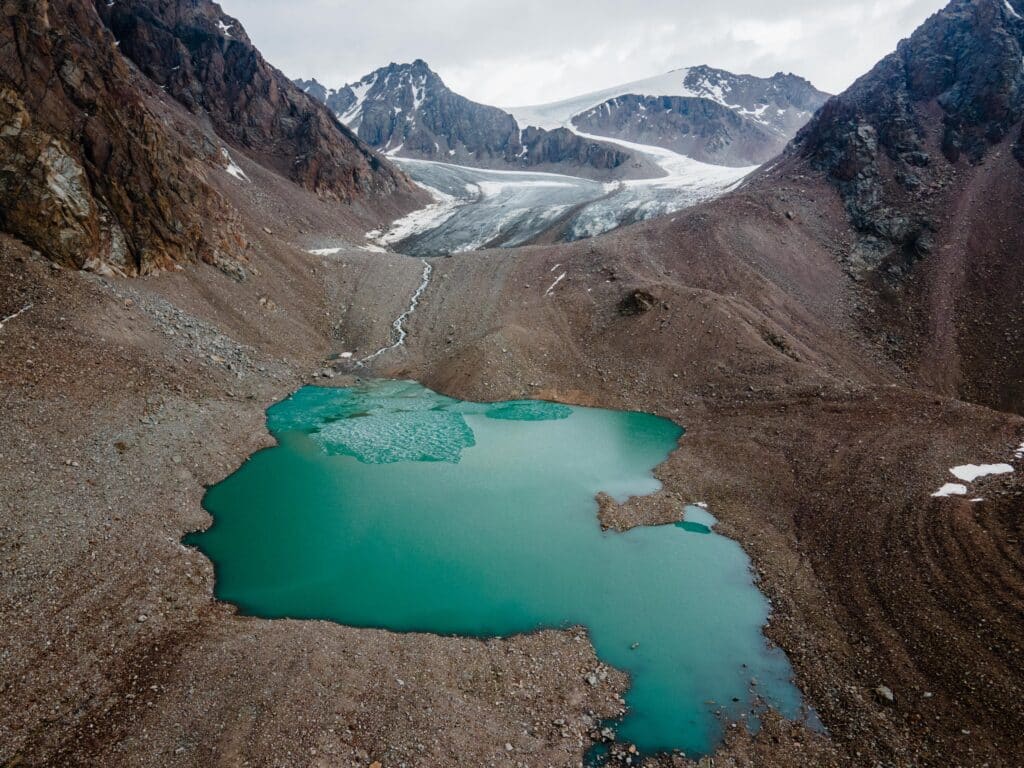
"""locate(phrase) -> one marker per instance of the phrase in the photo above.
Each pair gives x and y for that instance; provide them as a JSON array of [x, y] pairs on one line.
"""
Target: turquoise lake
[[387, 505]]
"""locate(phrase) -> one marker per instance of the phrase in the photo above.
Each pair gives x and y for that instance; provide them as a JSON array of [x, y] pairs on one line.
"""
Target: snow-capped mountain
[[707, 114], [703, 113], [408, 111]]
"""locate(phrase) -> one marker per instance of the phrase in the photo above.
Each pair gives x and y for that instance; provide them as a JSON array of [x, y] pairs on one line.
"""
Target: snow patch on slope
[[350, 117], [231, 167], [971, 472], [951, 489]]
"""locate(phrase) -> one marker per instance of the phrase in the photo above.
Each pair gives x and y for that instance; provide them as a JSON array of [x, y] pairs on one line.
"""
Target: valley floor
[[122, 400]]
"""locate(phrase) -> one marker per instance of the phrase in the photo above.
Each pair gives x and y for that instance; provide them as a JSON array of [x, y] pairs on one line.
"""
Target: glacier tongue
[[479, 208]]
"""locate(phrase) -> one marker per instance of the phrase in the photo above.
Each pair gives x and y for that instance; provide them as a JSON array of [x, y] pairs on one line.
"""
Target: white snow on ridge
[[1011, 11], [558, 114], [971, 472], [350, 117]]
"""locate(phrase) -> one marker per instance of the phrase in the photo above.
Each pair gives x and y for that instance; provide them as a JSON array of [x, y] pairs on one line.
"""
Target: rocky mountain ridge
[[408, 111], [695, 127], [204, 59], [707, 114]]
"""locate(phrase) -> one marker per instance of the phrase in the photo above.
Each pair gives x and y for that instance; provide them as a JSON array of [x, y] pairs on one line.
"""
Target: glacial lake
[[387, 505]]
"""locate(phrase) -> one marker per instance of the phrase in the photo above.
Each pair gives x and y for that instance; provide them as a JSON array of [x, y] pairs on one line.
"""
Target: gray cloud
[[510, 52]]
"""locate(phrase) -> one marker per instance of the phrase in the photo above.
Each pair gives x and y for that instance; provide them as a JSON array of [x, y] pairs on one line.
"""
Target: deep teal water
[[391, 506]]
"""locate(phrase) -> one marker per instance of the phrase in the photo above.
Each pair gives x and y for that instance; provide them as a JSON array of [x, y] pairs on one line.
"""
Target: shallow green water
[[391, 506]]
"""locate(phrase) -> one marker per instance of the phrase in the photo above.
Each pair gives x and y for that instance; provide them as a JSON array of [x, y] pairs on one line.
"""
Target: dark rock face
[[540, 147], [727, 119], [890, 142], [407, 109], [204, 59], [89, 173]]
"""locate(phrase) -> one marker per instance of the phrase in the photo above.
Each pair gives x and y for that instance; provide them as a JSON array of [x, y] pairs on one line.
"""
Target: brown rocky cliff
[[100, 169], [204, 59], [89, 174]]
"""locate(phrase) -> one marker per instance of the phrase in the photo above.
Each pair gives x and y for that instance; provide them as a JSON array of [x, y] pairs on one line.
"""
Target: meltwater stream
[[387, 505]]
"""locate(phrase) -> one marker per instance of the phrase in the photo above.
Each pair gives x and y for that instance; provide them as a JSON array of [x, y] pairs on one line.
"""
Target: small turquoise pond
[[387, 505]]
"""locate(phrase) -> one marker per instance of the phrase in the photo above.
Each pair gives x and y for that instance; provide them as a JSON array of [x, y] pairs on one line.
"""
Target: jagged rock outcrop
[[407, 110], [892, 141], [540, 147]]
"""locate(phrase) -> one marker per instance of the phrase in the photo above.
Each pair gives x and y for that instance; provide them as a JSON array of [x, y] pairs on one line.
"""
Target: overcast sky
[[513, 52]]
